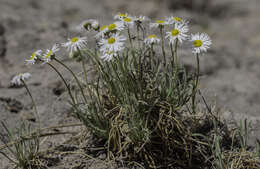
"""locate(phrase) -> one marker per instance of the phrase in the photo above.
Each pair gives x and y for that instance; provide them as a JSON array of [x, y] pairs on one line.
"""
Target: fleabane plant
[[139, 91]]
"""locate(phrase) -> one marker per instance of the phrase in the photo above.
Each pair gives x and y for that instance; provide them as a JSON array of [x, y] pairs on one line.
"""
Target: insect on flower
[[200, 42], [18, 79]]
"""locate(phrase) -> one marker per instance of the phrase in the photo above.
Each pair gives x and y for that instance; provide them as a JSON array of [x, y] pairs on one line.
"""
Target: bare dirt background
[[231, 69]]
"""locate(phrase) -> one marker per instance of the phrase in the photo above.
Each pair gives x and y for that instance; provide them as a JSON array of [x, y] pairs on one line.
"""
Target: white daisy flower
[[176, 20], [128, 21], [158, 23], [75, 44], [116, 26], [201, 42], [178, 32], [49, 53], [115, 43], [95, 24], [140, 19], [18, 79], [34, 57], [102, 31], [151, 39], [120, 16], [88, 25], [108, 55]]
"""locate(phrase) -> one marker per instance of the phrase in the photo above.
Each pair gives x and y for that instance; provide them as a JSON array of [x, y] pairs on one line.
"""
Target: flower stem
[[129, 37], [131, 45], [152, 58], [172, 52], [85, 72], [75, 77], [198, 69], [64, 81], [138, 36], [83, 66], [195, 88], [34, 104], [175, 53], [163, 50]]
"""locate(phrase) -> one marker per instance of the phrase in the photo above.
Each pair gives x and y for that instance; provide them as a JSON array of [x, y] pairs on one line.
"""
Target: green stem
[[85, 72], [143, 33], [140, 66], [83, 66], [163, 50], [129, 37], [34, 104], [172, 52], [175, 52], [138, 35], [150, 57], [195, 88], [75, 77], [64, 81], [153, 57], [140, 75], [132, 47], [198, 69]]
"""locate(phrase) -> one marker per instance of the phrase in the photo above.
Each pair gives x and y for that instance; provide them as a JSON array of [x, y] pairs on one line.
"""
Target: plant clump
[[142, 104]]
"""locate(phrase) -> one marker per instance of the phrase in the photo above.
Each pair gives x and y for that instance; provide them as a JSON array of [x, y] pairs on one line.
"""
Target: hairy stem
[[175, 52], [75, 77], [64, 81], [85, 72], [172, 52], [195, 88], [34, 104], [162, 44]]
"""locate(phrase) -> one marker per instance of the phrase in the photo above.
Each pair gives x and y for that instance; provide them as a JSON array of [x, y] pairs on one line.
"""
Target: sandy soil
[[230, 71]]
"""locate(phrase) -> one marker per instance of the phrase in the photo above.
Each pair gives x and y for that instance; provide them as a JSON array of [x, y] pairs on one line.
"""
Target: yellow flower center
[[48, 54], [111, 26], [197, 43], [75, 39], [160, 21], [122, 15], [127, 19], [111, 40], [33, 56], [177, 19], [175, 32], [152, 36], [103, 27], [109, 52]]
